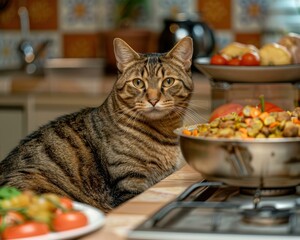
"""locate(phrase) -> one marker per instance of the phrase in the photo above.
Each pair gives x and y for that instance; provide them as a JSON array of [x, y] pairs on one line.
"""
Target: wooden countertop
[[135, 211]]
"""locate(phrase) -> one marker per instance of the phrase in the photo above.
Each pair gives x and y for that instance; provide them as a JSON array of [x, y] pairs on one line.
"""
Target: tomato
[[218, 59], [270, 107], [65, 202], [234, 61], [69, 220], [250, 59], [24, 230], [225, 109]]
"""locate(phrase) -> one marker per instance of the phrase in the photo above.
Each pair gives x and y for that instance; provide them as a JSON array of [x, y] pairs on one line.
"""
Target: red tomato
[[270, 107], [69, 220], [24, 230], [218, 59], [67, 203], [225, 109], [234, 62], [250, 59]]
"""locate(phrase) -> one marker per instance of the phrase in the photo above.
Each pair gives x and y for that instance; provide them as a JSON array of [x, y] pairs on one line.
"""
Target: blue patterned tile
[[9, 57], [248, 15], [80, 15]]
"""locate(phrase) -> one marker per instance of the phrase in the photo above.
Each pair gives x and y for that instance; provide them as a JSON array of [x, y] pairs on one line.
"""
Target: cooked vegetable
[[8, 192], [252, 123], [225, 109], [26, 214], [238, 108]]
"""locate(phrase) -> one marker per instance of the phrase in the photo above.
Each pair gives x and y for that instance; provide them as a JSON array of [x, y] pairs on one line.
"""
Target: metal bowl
[[266, 163]]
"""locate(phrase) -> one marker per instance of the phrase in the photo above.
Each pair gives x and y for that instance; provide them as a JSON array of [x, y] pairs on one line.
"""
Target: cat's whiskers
[[195, 117], [131, 119], [192, 115]]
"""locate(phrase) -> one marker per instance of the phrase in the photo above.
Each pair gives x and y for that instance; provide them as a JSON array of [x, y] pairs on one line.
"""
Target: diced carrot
[[255, 112], [296, 120], [274, 124], [187, 132], [244, 136], [263, 115], [248, 121], [195, 132], [243, 130]]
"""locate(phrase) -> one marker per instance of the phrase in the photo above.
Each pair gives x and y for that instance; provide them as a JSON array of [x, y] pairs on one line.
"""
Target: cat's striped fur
[[104, 156]]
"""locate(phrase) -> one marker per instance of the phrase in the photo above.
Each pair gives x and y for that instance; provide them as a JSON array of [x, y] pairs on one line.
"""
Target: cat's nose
[[153, 101]]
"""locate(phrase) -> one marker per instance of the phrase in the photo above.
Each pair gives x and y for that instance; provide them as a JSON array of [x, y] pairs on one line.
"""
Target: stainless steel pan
[[246, 163]]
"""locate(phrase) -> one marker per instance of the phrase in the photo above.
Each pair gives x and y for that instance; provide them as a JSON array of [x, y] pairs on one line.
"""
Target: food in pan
[[252, 122], [235, 107]]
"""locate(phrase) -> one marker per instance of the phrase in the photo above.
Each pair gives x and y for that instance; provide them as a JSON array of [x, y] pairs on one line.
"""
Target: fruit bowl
[[249, 74]]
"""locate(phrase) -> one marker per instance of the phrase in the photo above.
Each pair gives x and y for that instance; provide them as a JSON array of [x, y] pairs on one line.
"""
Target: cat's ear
[[124, 53], [183, 51]]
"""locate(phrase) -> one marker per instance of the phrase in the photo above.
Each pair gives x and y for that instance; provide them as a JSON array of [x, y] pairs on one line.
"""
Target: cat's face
[[155, 85]]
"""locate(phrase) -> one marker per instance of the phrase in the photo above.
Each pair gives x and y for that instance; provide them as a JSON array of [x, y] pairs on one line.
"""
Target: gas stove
[[214, 210]]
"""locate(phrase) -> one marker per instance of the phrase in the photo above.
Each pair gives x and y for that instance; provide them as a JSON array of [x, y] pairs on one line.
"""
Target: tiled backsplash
[[75, 27]]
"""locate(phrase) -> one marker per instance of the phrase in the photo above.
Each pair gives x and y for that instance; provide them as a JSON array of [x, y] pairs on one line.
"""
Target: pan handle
[[240, 160]]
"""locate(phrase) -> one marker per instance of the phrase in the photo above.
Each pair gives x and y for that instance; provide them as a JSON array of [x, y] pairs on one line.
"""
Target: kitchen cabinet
[[14, 122], [11, 128], [22, 114]]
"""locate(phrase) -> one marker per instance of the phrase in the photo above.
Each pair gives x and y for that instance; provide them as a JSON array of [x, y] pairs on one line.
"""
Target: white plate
[[251, 74], [95, 221]]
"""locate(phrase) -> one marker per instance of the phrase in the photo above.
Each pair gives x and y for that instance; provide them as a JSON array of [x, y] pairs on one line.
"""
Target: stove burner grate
[[214, 210], [266, 215]]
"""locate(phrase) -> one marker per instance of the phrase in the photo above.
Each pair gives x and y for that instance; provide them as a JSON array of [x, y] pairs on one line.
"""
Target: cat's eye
[[168, 82], [138, 83]]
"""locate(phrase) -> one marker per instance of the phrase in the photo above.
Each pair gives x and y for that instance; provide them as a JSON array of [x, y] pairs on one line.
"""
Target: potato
[[292, 42], [274, 54]]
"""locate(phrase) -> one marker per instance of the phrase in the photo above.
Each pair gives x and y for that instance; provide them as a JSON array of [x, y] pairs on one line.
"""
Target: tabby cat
[[106, 155]]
